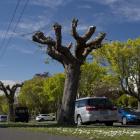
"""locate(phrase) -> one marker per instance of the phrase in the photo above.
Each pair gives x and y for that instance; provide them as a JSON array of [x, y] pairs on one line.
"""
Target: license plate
[[104, 112]]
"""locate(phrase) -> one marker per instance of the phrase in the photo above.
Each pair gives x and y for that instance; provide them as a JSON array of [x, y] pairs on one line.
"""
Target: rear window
[[21, 110], [100, 102], [81, 103]]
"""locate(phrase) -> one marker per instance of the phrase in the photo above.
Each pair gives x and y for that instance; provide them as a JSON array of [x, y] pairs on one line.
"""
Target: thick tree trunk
[[11, 112], [138, 105], [66, 111]]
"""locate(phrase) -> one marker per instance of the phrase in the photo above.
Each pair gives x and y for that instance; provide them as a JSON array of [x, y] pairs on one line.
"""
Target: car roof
[[91, 98]]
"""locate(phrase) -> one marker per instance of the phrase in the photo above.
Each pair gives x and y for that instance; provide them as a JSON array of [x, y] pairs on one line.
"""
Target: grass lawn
[[91, 132]]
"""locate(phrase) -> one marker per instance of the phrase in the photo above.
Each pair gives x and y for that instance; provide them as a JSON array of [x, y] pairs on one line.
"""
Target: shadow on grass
[[35, 124], [54, 124]]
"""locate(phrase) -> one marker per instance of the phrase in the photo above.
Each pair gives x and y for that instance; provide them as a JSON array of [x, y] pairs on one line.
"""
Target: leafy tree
[[10, 96], [33, 96], [91, 76], [123, 58], [41, 94], [95, 81], [71, 62], [127, 101], [3, 105], [54, 86]]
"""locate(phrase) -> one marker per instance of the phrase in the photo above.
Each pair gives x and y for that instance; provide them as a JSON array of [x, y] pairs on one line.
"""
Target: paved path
[[15, 134]]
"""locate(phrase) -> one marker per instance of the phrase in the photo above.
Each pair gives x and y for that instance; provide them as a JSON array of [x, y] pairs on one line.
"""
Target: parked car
[[3, 118], [95, 109], [128, 115], [45, 117], [21, 114]]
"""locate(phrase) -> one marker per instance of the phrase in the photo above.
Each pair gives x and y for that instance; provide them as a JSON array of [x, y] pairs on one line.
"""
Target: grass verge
[[91, 132]]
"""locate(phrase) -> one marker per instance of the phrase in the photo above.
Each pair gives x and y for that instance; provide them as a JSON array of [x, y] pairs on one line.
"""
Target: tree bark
[[11, 112], [66, 112], [138, 105]]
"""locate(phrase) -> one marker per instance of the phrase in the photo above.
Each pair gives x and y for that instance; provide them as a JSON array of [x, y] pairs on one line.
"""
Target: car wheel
[[109, 123], [79, 120], [124, 120], [41, 120]]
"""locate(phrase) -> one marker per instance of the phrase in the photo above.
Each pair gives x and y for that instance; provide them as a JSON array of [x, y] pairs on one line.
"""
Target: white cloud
[[10, 34], [109, 1], [34, 24], [106, 2], [21, 50], [126, 10], [25, 51], [130, 13], [85, 6], [50, 3]]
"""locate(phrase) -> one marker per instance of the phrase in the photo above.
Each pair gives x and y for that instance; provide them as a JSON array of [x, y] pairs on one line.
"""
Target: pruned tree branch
[[89, 33], [8, 91], [55, 54], [54, 49], [14, 87], [42, 39], [63, 54], [70, 45], [94, 44], [57, 29], [3, 88], [74, 31]]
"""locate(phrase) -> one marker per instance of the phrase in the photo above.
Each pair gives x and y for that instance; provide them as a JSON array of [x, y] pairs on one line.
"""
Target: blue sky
[[21, 58]]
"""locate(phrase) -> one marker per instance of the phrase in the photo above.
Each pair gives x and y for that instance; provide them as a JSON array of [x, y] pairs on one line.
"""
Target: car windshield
[[100, 102]]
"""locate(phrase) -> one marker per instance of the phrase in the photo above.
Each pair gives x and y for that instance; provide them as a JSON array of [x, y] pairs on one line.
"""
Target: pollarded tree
[[10, 95], [70, 61]]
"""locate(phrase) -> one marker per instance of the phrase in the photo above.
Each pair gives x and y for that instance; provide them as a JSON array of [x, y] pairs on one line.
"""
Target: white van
[[95, 109]]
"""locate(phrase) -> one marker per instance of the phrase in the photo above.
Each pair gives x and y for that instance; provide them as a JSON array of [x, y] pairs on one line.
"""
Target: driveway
[[15, 134]]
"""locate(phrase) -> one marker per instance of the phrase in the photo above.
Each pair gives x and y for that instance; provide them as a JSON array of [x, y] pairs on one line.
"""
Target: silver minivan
[[95, 110]]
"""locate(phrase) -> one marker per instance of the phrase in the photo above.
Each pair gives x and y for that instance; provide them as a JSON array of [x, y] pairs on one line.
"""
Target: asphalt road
[[15, 134]]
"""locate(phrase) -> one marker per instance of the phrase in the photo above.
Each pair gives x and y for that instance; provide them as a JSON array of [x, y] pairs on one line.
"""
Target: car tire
[[109, 123], [41, 120], [124, 121], [79, 120]]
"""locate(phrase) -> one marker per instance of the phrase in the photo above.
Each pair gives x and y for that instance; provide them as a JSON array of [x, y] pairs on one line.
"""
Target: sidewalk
[[15, 134]]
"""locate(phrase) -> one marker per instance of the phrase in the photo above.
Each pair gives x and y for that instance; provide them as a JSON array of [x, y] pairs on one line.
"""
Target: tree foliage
[[123, 59], [32, 95], [3, 105], [41, 95], [54, 88], [95, 81], [127, 101], [91, 74]]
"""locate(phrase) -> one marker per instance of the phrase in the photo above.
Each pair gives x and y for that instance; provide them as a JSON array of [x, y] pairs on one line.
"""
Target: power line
[[18, 21], [21, 14], [10, 23], [30, 33]]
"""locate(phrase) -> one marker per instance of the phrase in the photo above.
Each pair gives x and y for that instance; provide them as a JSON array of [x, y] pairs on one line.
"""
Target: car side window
[[81, 103]]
